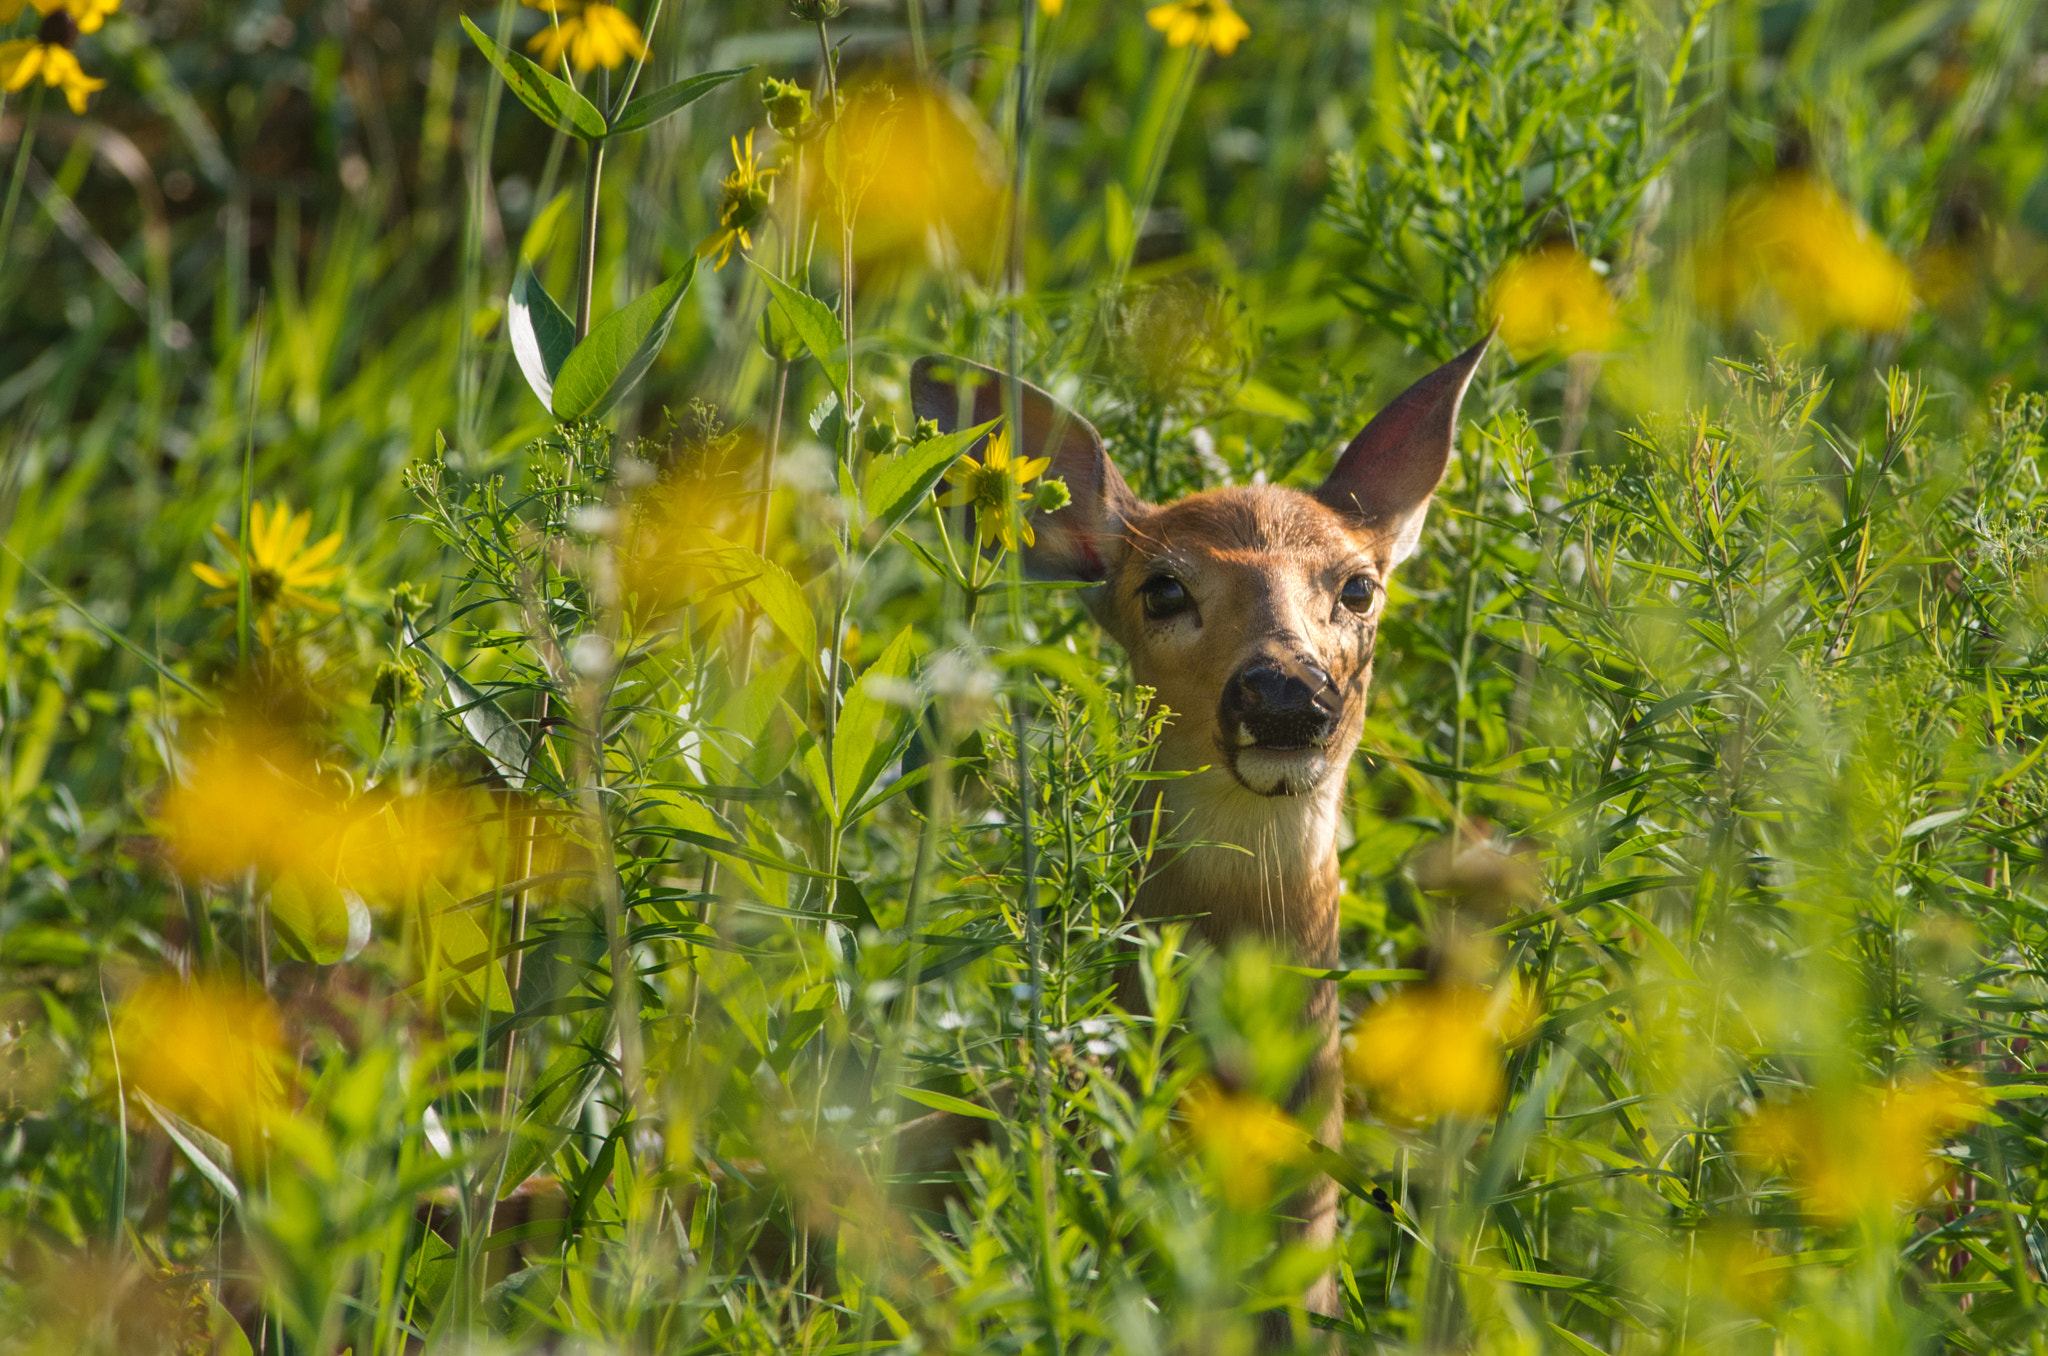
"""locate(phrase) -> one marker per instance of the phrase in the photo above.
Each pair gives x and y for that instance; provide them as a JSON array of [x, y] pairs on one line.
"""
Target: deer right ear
[[1076, 542], [1384, 480]]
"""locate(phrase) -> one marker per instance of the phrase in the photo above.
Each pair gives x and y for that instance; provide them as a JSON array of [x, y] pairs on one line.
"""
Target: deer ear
[[1384, 480], [1075, 542]]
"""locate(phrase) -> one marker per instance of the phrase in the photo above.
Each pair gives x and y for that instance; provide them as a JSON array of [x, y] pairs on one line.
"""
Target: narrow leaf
[[815, 324], [484, 720], [651, 108], [542, 333], [551, 1111], [213, 1158], [618, 352], [898, 484], [554, 101], [939, 1101]]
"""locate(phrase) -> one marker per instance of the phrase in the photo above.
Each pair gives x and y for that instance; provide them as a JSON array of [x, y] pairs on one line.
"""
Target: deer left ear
[[1384, 480]]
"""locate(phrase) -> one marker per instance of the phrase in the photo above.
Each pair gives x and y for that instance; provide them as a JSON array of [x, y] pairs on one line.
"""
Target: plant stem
[[586, 252], [242, 599], [29, 124]]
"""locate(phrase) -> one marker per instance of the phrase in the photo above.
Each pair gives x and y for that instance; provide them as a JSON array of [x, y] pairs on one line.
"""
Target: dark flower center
[[59, 29]]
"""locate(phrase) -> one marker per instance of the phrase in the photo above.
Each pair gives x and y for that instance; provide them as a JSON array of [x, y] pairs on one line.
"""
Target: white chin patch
[[1278, 772]]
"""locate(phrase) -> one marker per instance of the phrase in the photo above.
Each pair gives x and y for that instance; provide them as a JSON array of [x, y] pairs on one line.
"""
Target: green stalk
[[586, 252], [469, 389], [29, 124], [248, 489]]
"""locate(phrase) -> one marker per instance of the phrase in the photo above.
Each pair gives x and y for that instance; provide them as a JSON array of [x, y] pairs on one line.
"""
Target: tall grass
[[538, 936]]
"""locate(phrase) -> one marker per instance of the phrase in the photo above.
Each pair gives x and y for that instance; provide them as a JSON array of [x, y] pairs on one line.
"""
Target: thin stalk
[[248, 489], [29, 124], [469, 389], [586, 252]]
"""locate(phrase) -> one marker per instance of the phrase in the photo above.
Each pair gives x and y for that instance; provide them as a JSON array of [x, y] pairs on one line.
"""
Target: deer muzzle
[[1287, 704]]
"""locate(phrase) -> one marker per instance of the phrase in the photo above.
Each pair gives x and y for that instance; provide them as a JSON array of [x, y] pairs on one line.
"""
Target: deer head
[[1252, 610]]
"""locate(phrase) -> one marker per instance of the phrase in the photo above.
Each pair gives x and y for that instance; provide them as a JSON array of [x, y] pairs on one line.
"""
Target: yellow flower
[[990, 486], [1051, 8], [48, 54], [591, 35], [1797, 241], [1869, 1150], [279, 571], [1206, 23], [88, 14], [251, 800], [743, 199], [1242, 1139], [209, 1051], [1551, 300], [1437, 1051]]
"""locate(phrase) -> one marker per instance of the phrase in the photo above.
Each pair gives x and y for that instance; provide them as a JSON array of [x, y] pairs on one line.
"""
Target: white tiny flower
[[590, 654]]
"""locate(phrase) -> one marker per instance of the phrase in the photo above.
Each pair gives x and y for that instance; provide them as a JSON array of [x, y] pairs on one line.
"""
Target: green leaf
[[871, 724], [815, 325], [781, 601], [542, 334], [898, 484], [311, 917], [649, 109], [618, 352], [215, 1161], [458, 944], [939, 1101], [484, 720], [550, 1112], [555, 102]]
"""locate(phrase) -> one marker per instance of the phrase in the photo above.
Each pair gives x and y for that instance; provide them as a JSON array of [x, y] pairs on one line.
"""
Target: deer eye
[[1357, 593], [1164, 596]]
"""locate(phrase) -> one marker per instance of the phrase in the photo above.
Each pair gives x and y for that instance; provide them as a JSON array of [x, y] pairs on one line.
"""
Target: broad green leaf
[[618, 352], [458, 945], [311, 918], [872, 722], [516, 1303], [553, 1108], [898, 484], [782, 602], [554, 101], [484, 720], [814, 324], [542, 333], [651, 108]]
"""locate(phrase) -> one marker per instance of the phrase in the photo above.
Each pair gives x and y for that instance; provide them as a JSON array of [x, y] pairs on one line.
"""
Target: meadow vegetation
[[522, 763]]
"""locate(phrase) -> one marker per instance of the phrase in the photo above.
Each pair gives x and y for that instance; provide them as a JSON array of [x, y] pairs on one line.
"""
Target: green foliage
[[735, 818]]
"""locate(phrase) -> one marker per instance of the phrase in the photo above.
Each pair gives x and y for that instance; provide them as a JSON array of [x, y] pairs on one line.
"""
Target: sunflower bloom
[[48, 56], [1551, 301], [990, 486], [281, 566], [742, 201], [1436, 1051], [1205, 23], [590, 35], [1242, 1139]]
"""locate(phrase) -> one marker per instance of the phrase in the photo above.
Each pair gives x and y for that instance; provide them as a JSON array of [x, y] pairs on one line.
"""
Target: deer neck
[[1246, 865]]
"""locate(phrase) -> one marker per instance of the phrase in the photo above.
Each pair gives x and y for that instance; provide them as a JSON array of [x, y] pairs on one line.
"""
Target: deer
[[1251, 612]]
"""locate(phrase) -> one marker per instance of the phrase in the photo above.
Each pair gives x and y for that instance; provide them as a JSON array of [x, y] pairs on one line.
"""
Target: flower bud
[[1051, 496], [788, 104], [816, 11], [923, 431]]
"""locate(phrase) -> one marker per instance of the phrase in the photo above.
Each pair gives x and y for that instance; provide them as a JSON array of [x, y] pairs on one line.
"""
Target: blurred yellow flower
[[48, 55], [89, 15], [590, 35], [1870, 1150], [1242, 1139], [210, 1051], [1796, 240], [990, 486], [1051, 8], [281, 566], [921, 177], [1436, 1051], [248, 800], [1551, 301], [743, 200], [1205, 23]]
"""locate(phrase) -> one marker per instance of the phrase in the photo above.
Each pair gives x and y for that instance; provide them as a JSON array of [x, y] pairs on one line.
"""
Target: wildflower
[[48, 54], [1243, 1139], [1798, 241], [590, 35], [916, 173], [788, 104], [89, 14], [249, 800], [1051, 8], [281, 566], [990, 486], [208, 1051], [816, 11], [1551, 301], [1437, 1051], [743, 200], [1870, 1150], [1206, 23]]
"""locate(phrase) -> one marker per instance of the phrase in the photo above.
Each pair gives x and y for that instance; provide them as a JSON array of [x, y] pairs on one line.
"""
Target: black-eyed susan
[[89, 14], [990, 486], [742, 201], [588, 35], [48, 56], [1204, 23], [281, 566], [1551, 300]]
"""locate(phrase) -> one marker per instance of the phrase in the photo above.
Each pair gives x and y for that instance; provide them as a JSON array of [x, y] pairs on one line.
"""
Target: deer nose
[[1281, 705]]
